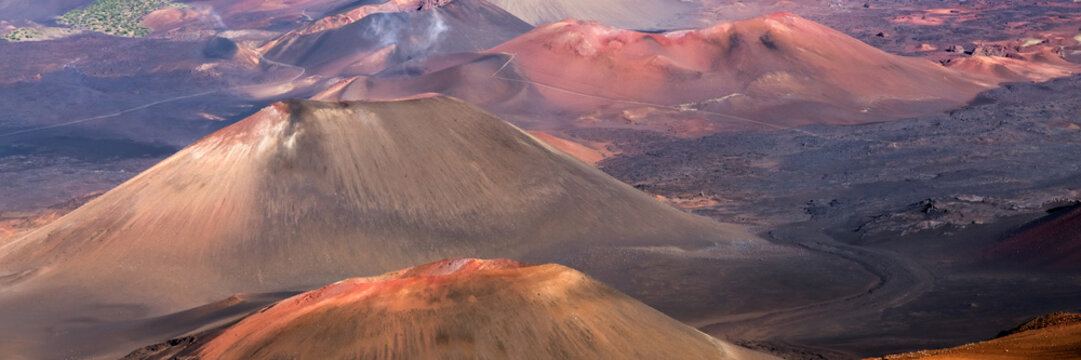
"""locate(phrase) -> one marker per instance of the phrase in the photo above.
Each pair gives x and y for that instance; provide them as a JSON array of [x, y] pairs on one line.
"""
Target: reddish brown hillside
[[780, 68], [1052, 337], [1053, 242], [454, 309], [770, 72], [370, 38]]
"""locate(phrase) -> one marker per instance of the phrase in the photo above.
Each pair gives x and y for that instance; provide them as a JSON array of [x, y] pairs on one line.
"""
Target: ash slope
[[318, 186], [454, 309], [304, 193]]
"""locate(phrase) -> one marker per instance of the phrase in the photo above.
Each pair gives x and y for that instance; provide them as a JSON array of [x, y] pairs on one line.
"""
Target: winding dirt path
[[900, 281]]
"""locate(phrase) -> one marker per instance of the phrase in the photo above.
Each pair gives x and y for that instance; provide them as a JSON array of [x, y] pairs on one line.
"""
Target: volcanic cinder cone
[[304, 193], [370, 38], [780, 68], [469, 76], [456, 309], [769, 72], [306, 190]]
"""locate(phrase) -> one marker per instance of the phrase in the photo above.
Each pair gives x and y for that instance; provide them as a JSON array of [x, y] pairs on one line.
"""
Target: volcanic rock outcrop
[[454, 309]]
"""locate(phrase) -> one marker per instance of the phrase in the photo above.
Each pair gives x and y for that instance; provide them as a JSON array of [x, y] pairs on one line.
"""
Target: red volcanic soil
[[1053, 242], [767, 73], [779, 68], [1052, 337], [453, 309], [169, 18]]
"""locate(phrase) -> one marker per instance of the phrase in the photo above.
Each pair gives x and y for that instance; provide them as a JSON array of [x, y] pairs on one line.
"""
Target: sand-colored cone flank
[[304, 193]]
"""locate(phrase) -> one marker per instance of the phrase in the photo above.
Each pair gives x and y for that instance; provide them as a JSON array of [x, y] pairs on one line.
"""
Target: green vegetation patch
[[23, 34], [115, 17]]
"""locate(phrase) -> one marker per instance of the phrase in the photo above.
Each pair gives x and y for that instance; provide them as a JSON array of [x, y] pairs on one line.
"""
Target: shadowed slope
[[1053, 242], [454, 309]]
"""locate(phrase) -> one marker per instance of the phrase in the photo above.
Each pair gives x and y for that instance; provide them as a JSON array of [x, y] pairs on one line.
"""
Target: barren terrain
[[872, 177], [307, 192], [916, 202]]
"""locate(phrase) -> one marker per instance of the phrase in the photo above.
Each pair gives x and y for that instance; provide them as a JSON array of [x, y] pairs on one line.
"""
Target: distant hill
[[778, 68], [368, 39], [771, 72]]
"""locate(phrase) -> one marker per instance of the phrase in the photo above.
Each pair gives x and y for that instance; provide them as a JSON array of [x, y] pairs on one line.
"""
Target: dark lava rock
[[219, 48]]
